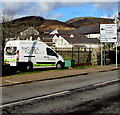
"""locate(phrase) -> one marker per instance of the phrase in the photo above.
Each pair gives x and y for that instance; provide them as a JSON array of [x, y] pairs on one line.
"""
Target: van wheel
[[59, 66], [29, 67]]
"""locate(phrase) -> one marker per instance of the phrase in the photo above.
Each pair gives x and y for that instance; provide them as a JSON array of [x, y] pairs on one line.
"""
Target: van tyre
[[29, 67], [59, 66]]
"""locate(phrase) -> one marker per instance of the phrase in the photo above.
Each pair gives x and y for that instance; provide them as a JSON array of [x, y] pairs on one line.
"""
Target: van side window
[[51, 52]]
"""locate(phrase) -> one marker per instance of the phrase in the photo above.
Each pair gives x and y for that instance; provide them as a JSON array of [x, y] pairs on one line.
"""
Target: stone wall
[[95, 56]]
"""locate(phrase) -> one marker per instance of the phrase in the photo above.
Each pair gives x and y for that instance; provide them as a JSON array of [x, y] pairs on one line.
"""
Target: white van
[[31, 54]]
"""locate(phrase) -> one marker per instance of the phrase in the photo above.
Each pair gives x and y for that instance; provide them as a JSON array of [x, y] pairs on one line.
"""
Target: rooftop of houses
[[45, 36], [62, 32], [77, 40], [89, 29]]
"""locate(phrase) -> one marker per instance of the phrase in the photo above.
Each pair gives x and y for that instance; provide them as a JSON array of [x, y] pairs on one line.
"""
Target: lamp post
[[116, 22]]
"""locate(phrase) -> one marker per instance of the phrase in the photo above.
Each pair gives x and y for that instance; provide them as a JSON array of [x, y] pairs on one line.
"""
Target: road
[[61, 95]]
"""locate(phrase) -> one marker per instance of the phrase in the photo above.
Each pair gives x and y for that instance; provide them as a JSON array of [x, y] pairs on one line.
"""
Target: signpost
[[108, 34]]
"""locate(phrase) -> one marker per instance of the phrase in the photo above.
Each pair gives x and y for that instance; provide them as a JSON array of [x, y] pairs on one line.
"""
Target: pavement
[[53, 74]]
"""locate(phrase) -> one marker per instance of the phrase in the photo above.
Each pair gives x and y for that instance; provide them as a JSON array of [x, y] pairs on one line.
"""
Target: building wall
[[93, 36], [55, 38], [62, 43], [54, 32]]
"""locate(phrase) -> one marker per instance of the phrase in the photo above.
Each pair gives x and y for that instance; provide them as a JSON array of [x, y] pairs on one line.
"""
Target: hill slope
[[14, 27], [82, 21]]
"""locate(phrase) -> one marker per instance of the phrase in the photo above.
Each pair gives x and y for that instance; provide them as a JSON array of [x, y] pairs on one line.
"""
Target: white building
[[67, 41]]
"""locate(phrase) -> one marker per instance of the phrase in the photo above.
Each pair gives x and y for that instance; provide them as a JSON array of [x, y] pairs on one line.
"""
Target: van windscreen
[[10, 50]]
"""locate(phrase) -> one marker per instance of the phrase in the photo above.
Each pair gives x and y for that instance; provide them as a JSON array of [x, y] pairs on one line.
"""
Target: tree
[[7, 15]]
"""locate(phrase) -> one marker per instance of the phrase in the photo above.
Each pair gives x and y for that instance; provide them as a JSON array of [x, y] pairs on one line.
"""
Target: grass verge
[[37, 70]]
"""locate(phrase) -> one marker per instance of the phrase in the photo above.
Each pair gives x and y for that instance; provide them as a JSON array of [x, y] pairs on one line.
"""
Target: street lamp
[[116, 22]]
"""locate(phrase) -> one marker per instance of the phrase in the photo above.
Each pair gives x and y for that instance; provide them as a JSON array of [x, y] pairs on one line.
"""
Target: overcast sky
[[61, 10]]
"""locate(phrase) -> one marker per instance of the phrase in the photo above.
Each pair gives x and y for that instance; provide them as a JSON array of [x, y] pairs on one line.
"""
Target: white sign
[[108, 32]]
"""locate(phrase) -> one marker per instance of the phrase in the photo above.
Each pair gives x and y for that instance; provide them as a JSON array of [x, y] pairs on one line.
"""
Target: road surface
[[62, 95]]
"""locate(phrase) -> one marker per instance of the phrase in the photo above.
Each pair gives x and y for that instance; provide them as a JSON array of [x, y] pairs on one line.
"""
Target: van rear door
[[10, 55]]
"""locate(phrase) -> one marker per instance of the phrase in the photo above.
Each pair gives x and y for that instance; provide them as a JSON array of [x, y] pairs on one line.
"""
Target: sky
[[61, 10]]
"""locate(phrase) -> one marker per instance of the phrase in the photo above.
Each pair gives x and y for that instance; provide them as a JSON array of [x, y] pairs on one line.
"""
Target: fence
[[80, 57]]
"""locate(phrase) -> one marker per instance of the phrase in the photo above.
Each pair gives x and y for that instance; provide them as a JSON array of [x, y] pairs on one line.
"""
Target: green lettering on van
[[43, 65]]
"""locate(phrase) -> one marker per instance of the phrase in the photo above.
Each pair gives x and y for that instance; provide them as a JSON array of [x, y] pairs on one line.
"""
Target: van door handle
[[46, 57]]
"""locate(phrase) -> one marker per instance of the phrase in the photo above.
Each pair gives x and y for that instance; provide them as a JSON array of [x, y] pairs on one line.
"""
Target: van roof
[[26, 41]]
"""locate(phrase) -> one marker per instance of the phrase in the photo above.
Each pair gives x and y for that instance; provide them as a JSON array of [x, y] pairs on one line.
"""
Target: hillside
[[82, 21], [14, 27]]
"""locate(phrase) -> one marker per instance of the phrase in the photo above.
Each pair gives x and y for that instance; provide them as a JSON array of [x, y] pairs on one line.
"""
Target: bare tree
[[7, 15]]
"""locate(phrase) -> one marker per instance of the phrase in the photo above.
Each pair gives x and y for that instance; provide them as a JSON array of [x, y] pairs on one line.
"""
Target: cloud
[[106, 9], [58, 15], [105, 16], [43, 8], [33, 8], [9, 10], [105, 5], [14, 6]]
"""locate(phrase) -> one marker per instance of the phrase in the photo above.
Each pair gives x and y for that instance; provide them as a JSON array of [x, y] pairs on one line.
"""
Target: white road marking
[[107, 82], [54, 94], [47, 96], [10, 81]]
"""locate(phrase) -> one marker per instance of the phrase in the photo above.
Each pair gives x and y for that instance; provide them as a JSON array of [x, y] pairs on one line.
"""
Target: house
[[29, 31], [66, 41], [56, 33], [29, 34], [70, 38]]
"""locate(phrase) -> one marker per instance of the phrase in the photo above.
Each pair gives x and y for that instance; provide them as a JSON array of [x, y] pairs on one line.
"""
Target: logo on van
[[31, 50]]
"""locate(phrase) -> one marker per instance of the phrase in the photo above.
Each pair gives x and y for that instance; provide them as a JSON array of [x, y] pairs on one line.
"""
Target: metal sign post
[[116, 55], [101, 55]]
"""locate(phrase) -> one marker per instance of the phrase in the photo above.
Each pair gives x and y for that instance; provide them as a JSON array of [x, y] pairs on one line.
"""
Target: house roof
[[89, 29], [79, 40], [47, 40], [78, 36], [30, 31], [70, 35], [48, 31], [46, 36], [64, 32]]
